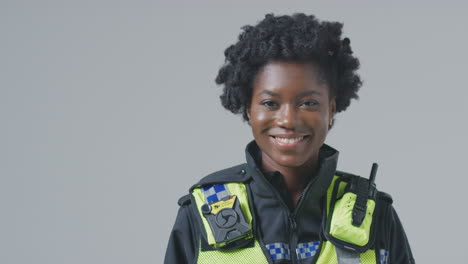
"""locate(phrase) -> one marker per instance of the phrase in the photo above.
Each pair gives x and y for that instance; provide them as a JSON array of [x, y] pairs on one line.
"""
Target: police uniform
[[278, 232]]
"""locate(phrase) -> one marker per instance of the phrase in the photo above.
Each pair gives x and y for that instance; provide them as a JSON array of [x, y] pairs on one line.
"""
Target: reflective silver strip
[[346, 256]]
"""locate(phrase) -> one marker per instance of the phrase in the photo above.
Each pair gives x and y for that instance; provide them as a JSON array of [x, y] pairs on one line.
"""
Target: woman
[[288, 76]]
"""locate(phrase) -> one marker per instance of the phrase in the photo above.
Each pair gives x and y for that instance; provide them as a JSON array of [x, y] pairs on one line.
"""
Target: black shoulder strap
[[364, 189], [360, 187]]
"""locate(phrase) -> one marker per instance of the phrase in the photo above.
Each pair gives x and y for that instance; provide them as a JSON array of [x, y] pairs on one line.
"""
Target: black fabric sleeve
[[183, 246], [398, 245]]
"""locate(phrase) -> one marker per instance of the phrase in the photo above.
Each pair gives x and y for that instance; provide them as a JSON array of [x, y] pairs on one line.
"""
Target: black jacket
[[275, 222]]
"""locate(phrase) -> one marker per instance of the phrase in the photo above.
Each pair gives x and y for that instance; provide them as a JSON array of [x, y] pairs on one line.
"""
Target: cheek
[[258, 114], [318, 123], [323, 117], [258, 118]]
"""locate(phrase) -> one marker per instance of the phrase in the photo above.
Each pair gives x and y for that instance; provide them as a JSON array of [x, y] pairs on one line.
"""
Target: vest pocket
[[341, 225], [338, 225]]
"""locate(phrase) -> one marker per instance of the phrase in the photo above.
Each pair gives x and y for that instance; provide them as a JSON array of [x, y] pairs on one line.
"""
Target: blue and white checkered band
[[279, 251], [307, 250], [215, 193], [383, 256]]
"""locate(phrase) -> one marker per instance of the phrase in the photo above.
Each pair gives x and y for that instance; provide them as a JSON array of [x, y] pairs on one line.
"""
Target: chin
[[290, 162]]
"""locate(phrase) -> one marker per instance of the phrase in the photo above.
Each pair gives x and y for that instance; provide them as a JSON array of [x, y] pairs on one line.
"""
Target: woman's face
[[290, 112]]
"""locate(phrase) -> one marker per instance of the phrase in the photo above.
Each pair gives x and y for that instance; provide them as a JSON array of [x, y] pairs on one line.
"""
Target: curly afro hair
[[299, 37]]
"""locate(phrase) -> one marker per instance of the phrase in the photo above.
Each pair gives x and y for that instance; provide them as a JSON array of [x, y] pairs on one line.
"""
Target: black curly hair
[[299, 37]]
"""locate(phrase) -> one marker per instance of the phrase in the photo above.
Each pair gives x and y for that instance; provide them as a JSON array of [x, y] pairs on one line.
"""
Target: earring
[[331, 122]]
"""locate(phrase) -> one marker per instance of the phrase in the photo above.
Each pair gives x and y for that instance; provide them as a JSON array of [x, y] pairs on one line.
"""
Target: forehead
[[283, 76]]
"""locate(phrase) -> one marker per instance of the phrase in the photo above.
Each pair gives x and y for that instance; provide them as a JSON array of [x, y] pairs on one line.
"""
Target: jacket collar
[[328, 158]]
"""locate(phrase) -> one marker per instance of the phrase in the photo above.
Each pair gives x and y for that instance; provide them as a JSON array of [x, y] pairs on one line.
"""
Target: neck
[[296, 178]]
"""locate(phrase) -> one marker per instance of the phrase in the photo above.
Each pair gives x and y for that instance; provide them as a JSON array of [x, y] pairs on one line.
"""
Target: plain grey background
[[109, 113]]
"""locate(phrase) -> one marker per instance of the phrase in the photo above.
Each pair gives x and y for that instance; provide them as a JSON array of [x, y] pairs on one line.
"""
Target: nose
[[287, 117]]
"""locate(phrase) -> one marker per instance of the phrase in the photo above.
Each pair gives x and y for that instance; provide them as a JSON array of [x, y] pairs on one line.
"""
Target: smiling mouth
[[289, 141]]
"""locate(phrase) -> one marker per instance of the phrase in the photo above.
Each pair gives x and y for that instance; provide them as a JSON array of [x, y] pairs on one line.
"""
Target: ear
[[247, 108], [332, 107]]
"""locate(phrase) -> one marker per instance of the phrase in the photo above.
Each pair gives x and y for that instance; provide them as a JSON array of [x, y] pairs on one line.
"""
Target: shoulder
[[385, 197], [232, 174], [345, 174], [381, 196], [184, 200]]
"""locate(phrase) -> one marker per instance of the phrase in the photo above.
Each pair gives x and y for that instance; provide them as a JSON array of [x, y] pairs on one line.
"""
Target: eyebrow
[[298, 96], [308, 93], [268, 92]]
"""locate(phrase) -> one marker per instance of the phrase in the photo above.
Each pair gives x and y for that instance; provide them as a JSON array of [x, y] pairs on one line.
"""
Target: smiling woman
[[290, 113], [288, 76]]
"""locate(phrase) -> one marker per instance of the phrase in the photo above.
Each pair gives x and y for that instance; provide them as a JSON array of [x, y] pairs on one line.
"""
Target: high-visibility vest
[[328, 252]]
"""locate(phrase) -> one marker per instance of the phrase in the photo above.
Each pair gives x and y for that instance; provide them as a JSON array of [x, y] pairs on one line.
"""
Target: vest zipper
[[291, 219], [293, 238], [301, 198], [291, 216]]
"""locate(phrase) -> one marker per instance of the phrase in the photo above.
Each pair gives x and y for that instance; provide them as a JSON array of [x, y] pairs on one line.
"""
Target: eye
[[269, 104], [309, 103]]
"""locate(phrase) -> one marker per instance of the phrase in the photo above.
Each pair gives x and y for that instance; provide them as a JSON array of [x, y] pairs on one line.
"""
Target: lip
[[284, 144]]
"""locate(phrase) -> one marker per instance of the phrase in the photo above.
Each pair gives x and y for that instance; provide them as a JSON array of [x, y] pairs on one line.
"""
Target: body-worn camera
[[226, 220]]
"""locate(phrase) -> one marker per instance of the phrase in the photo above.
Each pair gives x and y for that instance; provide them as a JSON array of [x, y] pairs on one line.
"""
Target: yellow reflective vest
[[240, 215], [328, 253]]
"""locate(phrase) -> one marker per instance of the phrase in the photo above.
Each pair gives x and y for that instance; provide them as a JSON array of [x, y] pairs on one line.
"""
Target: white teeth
[[289, 140]]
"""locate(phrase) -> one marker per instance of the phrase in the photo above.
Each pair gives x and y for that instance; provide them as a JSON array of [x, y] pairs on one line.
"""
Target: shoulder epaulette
[[385, 197], [184, 200], [233, 174], [380, 195], [342, 173]]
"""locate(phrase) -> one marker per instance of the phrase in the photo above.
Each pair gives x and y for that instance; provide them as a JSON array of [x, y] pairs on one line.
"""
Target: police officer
[[288, 76]]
